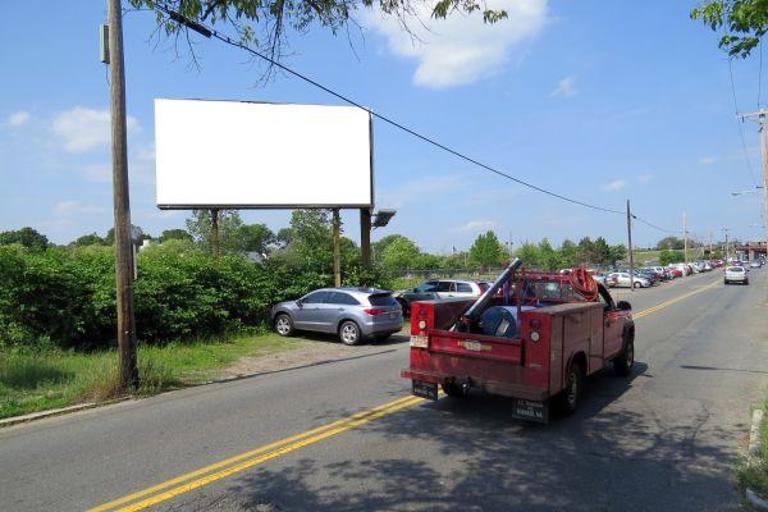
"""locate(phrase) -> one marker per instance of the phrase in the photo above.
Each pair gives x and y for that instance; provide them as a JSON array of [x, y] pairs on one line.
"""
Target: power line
[[209, 32], [741, 128]]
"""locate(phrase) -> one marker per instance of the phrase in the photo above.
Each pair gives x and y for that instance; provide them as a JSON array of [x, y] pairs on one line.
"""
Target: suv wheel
[[283, 324], [349, 333]]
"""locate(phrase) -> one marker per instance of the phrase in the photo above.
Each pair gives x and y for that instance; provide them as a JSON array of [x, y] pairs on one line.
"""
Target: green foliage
[[742, 23], [199, 225], [396, 252], [666, 257], [487, 251], [264, 23], [670, 242], [174, 234], [26, 237], [253, 238], [86, 240]]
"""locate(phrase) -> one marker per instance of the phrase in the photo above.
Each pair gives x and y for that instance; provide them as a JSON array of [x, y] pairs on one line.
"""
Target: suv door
[[464, 290], [308, 316], [337, 305]]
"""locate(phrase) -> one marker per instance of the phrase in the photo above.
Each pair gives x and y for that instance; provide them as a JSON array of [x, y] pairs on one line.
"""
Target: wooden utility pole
[[336, 248], [685, 237], [215, 241], [762, 118], [631, 255], [126, 323], [365, 237]]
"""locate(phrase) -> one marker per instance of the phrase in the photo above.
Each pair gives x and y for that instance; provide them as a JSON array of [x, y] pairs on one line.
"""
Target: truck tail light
[[374, 311]]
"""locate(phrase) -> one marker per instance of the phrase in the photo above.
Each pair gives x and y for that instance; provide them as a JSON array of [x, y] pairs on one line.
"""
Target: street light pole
[[126, 324]]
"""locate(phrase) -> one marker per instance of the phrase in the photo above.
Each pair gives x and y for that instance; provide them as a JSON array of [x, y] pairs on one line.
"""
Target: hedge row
[[66, 297]]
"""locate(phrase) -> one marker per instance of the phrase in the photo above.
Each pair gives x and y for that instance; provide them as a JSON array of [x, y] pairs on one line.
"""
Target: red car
[[675, 272]]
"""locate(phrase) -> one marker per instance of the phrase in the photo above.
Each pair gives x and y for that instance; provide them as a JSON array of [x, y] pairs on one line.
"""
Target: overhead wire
[[741, 127], [210, 32]]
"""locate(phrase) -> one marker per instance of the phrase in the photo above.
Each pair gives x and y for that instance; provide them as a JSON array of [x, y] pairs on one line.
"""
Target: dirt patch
[[306, 352]]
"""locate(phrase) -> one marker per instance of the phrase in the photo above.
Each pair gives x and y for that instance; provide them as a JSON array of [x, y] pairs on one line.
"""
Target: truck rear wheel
[[569, 398], [622, 365], [454, 390]]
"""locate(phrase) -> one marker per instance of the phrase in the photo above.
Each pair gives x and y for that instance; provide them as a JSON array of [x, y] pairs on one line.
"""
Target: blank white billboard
[[233, 154]]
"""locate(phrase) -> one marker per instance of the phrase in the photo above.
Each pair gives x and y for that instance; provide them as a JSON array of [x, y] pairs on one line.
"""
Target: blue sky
[[596, 100]]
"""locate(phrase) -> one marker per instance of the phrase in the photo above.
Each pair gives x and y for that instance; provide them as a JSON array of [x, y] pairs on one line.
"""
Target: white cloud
[[462, 48], [644, 178], [83, 129], [477, 225], [565, 87], [76, 207], [16, 119], [707, 160], [615, 185]]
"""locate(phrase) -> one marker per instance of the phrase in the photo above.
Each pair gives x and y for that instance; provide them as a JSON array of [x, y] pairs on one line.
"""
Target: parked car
[[351, 313], [755, 264], [437, 289], [736, 274], [622, 279], [675, 272]]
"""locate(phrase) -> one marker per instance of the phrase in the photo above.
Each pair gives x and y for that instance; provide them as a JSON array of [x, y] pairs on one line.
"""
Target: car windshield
[[735, 269]]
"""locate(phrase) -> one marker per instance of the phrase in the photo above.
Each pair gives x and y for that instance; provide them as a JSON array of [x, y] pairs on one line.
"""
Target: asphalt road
[[665, 439]]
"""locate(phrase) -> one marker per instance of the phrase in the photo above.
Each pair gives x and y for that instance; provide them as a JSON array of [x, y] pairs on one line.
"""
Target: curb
[[753, 451], [9, 422]]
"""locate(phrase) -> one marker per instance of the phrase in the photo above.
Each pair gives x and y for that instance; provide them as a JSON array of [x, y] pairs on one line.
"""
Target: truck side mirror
[[623, 305]]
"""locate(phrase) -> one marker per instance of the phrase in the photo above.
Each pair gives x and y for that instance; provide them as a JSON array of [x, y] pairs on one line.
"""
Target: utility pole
[[631, 256], [761, 116], [685, 238], [215, 241], [725, 230], [126, 323], [336, 248]]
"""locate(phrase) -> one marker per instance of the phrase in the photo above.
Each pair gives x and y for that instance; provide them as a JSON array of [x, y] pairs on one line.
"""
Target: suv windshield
[[382, 299]]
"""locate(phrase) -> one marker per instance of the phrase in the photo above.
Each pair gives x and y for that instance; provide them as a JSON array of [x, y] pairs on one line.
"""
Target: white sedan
[[622, 279]]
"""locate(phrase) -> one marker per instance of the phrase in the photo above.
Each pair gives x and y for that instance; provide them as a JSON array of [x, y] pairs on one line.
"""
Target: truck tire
[[622, 364], [569, 398], [349, 333], [454, 390], [284, 324]]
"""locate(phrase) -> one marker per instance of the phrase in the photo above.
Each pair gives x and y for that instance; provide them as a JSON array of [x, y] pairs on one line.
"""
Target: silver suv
[[352, 313]]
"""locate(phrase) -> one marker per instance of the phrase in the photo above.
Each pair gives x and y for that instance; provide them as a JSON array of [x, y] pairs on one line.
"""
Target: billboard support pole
[[215, 245], [365, 237], [336, 248]]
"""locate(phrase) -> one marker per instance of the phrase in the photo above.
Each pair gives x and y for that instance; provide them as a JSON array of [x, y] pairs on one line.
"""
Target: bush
[[66, 297]]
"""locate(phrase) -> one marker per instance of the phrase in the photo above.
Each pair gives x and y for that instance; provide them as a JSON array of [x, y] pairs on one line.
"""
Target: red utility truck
[[532, 337]]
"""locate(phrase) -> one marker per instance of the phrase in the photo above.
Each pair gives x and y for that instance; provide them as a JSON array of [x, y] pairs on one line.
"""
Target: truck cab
[[532, 337]]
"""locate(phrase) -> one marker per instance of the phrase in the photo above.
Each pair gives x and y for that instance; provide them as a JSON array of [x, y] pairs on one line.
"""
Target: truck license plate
[[531, 410], [425, 389]]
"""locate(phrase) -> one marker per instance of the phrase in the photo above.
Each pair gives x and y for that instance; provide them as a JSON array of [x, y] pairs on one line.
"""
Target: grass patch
[[35, 380], [752, 473]]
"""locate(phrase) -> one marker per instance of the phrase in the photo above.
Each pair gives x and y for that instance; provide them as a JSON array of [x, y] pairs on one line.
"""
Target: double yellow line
[[187, 482], [668, 303], [208, 474]]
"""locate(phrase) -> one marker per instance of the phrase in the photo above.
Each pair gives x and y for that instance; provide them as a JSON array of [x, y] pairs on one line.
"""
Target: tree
[[137, 235], [666, 257], [199, 226], [28, 237], [670, 242], [251, 238], [398, 253], [487, 251], [585, 252], [175, 234], [91, 239], [529, 253], [618, 252], [742, 23], [549, 259], [265, 23], [601, 251], [568, 254]]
